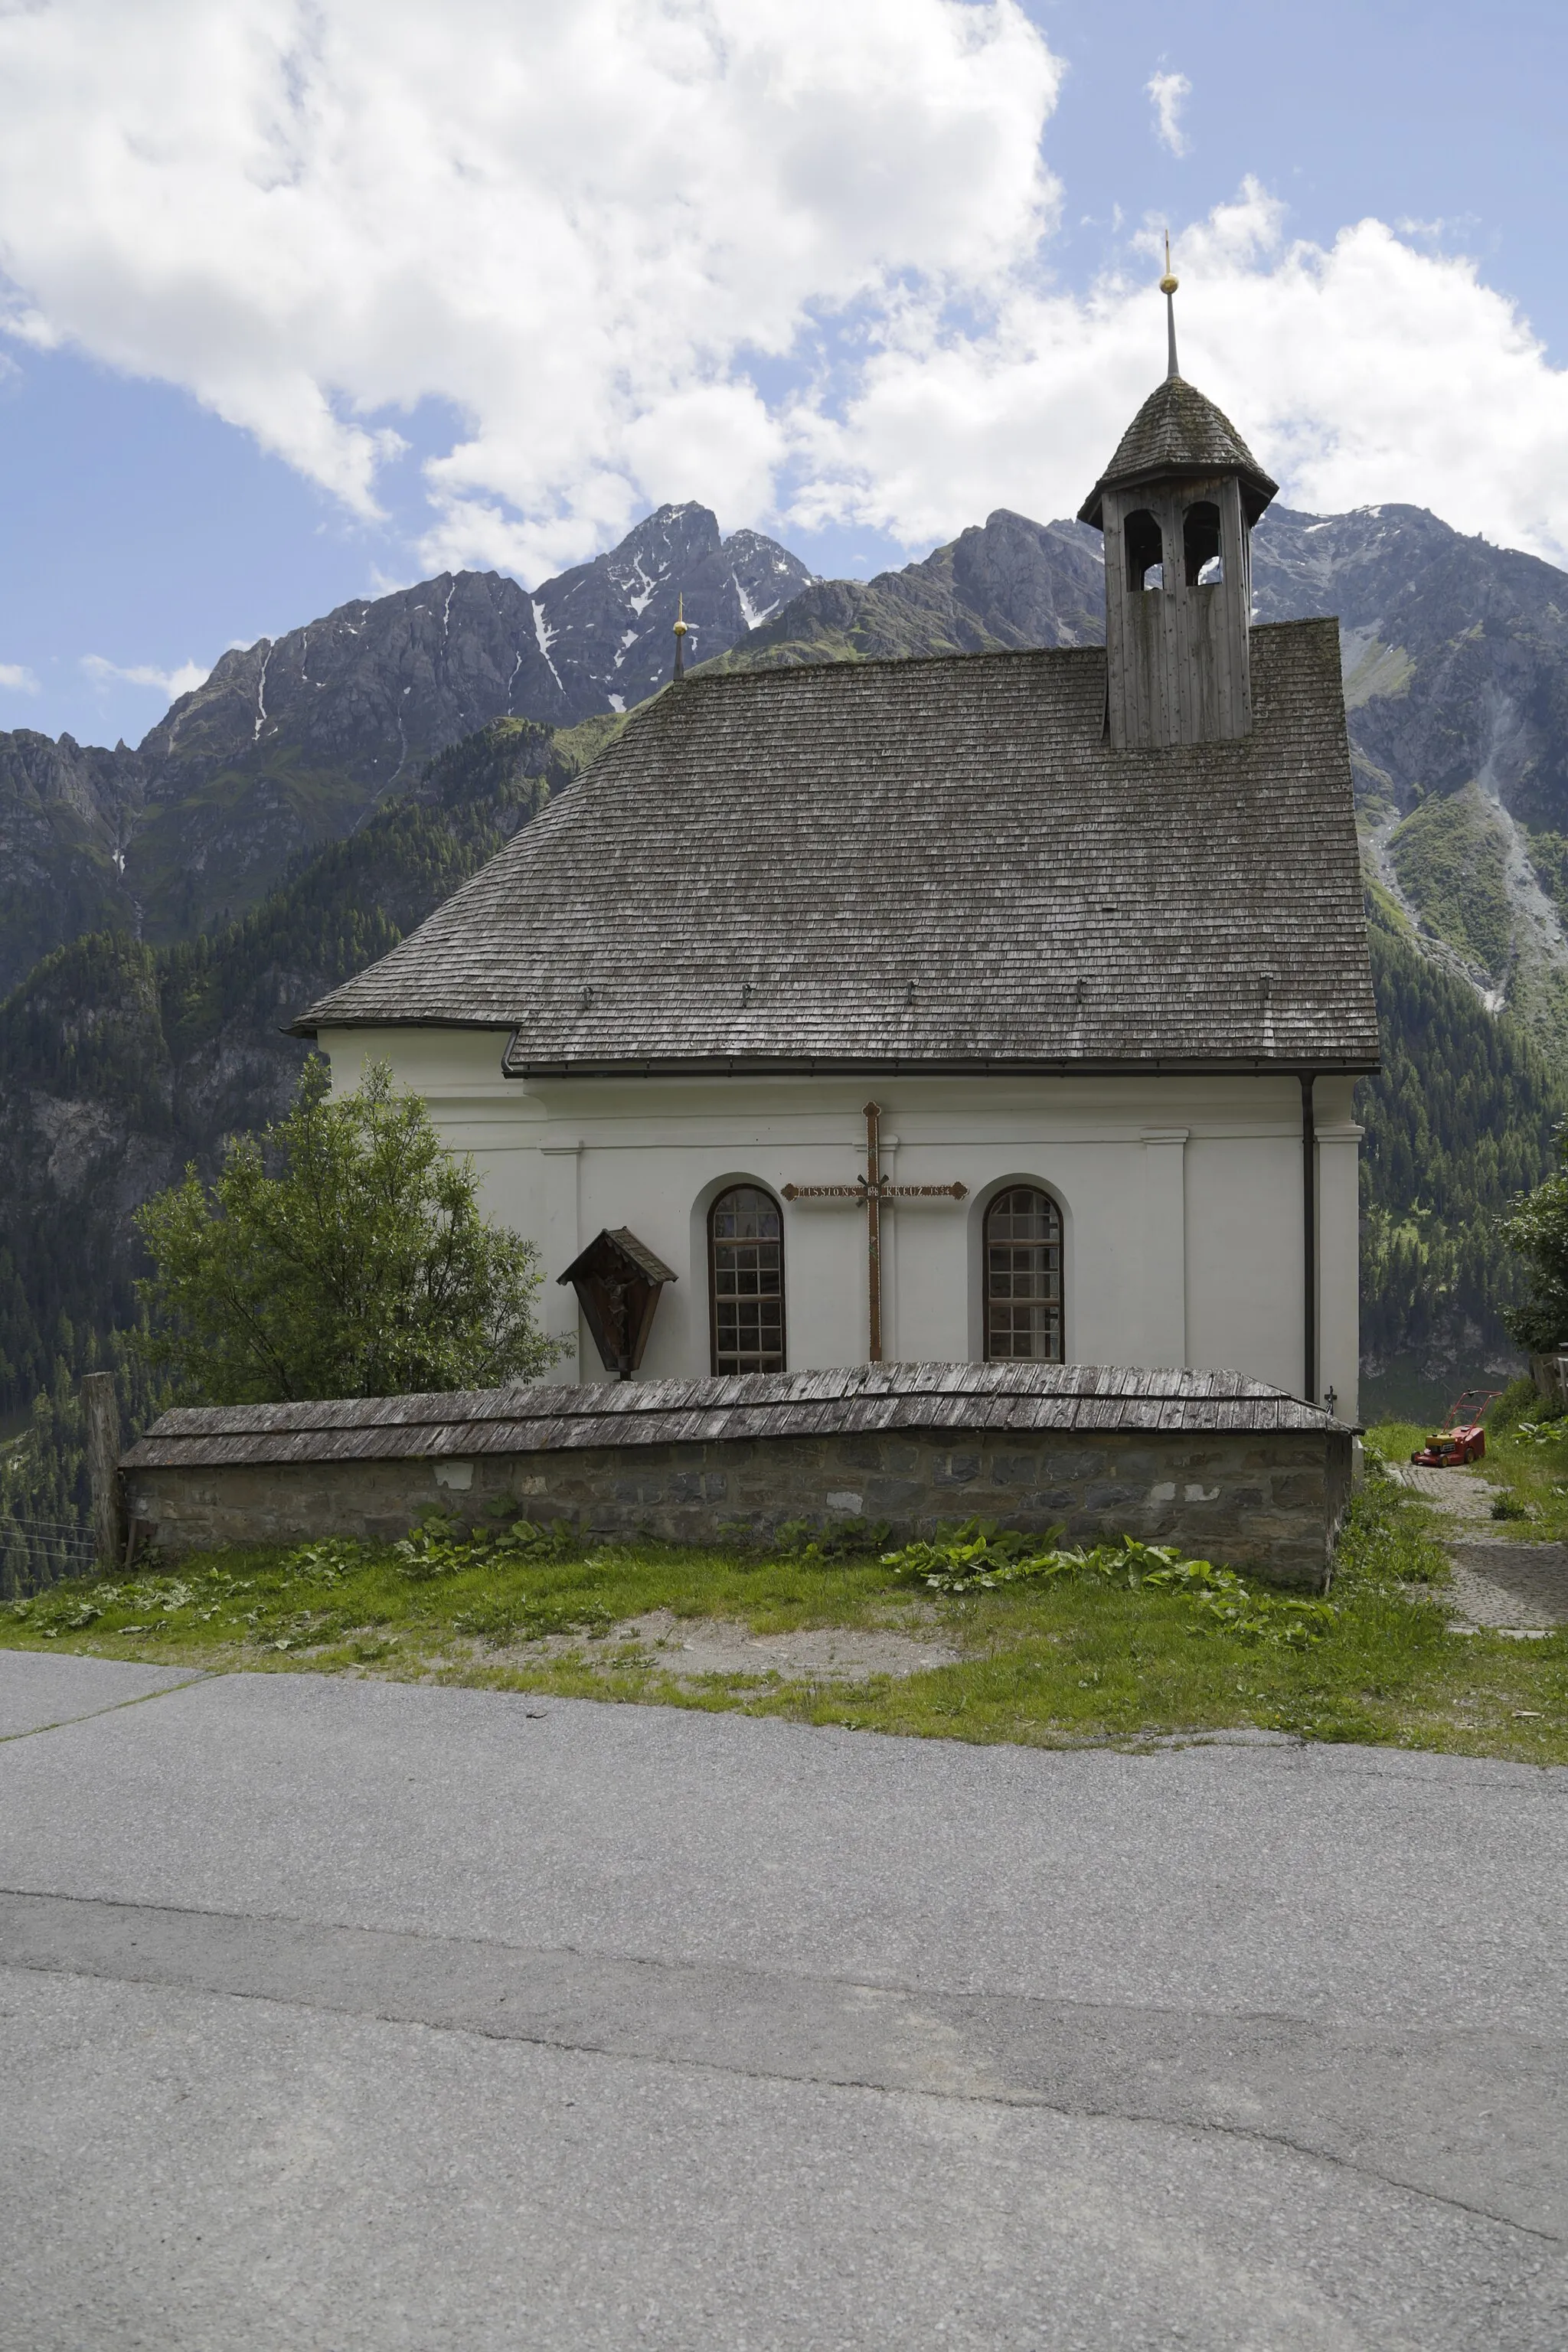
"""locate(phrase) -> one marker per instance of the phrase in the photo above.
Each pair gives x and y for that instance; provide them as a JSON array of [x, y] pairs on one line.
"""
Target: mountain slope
[[119, 1062], [1449, 644], [65, 815], [1456, 659], [1461, 1120], [292, 742], [1008, 582]]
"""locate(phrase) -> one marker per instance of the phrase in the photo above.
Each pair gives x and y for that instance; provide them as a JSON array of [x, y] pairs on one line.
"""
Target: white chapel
[[1001, 1006]]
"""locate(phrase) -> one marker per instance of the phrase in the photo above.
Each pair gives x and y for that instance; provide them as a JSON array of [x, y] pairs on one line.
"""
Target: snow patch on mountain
[[546, 637]]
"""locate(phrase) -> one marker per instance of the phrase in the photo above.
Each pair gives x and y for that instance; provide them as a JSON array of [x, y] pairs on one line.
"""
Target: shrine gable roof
[[927, 864]]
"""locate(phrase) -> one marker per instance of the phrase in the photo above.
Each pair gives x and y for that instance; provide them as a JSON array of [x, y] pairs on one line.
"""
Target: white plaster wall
[[1180, 1199]]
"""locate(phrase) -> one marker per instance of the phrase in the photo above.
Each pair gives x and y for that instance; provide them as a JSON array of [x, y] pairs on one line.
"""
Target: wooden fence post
[[103, 1466]]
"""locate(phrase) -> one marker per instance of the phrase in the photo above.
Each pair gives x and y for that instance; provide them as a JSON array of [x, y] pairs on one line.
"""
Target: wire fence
[[35, 1552]]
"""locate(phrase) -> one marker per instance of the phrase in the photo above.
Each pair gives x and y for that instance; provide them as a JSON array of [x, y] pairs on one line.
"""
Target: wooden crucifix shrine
[[617, 1280], [870, 1192]]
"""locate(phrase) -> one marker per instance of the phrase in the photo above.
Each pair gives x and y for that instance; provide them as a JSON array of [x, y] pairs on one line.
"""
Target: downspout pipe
[[1308, 1238]]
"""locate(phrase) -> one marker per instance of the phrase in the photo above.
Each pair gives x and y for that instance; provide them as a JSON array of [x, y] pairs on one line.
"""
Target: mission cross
[[869, 1192]]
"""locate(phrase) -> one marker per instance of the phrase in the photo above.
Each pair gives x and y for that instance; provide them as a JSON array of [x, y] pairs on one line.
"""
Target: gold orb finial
[[1168, 284], [682, 626]]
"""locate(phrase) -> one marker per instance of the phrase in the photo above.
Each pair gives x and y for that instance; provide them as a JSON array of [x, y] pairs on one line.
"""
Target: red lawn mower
[[1463, 1437]]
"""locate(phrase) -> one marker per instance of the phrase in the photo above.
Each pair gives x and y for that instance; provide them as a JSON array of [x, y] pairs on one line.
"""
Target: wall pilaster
[[1164, 1246]]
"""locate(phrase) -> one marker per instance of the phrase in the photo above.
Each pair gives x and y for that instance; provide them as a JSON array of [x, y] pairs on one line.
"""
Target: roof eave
[[1256, 490], [320, 1018], [1321, 1065], [660, 1066]]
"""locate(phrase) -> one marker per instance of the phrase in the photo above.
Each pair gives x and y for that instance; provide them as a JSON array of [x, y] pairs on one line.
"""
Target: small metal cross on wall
[[870, 1192]]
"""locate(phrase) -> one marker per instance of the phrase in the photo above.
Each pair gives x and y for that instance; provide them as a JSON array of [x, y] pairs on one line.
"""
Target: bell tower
[[1176, 505]]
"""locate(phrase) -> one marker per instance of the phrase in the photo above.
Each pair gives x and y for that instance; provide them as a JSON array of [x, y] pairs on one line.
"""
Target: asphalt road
[[341, 2014]]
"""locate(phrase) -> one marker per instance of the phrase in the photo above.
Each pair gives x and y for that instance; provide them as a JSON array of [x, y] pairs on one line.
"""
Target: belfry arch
[[1143, 551]]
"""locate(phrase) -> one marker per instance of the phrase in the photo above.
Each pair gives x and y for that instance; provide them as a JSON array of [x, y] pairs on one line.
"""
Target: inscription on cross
[[870, 1192]]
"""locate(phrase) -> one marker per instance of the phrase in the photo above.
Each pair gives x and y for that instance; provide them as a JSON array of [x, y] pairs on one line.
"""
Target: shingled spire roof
[[1177, 431]]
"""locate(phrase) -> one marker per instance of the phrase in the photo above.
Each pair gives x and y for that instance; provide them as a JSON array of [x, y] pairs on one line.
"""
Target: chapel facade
[[1005, 1006]]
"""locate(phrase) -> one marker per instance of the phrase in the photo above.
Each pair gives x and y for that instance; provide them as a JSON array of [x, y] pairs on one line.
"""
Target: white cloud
[[169, 682], [17, 678], [1169, 92], [1359, 373], [791, 256], [583, 226]]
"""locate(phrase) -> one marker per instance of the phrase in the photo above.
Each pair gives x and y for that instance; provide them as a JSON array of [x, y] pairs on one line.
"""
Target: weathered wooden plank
[[949, 1397], [1140, 1413]]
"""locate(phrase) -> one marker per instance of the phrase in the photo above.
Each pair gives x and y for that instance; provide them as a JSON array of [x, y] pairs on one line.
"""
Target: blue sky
[[148, 524]]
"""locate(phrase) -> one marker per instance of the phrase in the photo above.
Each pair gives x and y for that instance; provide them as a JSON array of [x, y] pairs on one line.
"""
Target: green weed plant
[[981, 1557], [1040, 1642]]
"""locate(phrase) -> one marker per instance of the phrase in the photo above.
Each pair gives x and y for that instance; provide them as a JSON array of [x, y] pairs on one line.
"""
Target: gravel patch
[[1456, 1493], [688, 1647], [1515, 1584], [716, 1645], [1499, 1582]]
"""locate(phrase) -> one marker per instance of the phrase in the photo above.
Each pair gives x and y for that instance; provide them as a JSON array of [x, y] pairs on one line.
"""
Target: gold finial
[[681, 626], [1168, 285]]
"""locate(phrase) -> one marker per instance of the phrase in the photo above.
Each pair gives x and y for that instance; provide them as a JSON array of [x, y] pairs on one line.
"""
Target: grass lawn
[[1050, 1664]]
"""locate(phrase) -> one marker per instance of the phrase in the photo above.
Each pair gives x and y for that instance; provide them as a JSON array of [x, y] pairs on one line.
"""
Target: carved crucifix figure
[[870, 1192]]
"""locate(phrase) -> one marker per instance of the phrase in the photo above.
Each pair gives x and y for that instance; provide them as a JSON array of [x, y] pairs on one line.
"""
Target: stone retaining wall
[[1270, 1503]]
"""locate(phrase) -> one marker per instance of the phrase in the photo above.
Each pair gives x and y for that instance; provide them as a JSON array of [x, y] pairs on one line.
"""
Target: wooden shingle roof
[[859, 1397], [636, 1256], [1179, 433], [930, 865]]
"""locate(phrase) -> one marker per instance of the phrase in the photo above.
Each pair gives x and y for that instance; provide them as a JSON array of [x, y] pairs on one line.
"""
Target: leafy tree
[[1538, 1231], [340, 1253]]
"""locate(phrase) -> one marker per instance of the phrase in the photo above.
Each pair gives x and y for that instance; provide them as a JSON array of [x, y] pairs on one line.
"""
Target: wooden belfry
[[1176, 505], [870, 1192], [617, 1280]]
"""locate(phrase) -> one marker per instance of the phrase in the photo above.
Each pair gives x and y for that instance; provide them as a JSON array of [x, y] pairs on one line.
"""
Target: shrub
[[341, 1253]]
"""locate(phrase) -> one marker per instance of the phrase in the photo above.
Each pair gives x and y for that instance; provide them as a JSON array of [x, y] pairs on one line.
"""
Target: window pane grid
[[746, 1274], [1024, 1278]]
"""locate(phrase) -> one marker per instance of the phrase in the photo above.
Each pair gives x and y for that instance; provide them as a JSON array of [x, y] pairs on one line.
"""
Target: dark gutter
[[1309, 1235], [822, 1066]]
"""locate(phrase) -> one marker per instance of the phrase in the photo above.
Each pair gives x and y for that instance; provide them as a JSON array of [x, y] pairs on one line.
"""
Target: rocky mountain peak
[[672, 538], [608, 626], [292, 742], [1377, 563], [1008, 581]]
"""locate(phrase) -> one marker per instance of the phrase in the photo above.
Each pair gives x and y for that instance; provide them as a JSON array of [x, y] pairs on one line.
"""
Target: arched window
[[745, 1281], [1024, 1278], [1204, 563], [1145, 552]]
